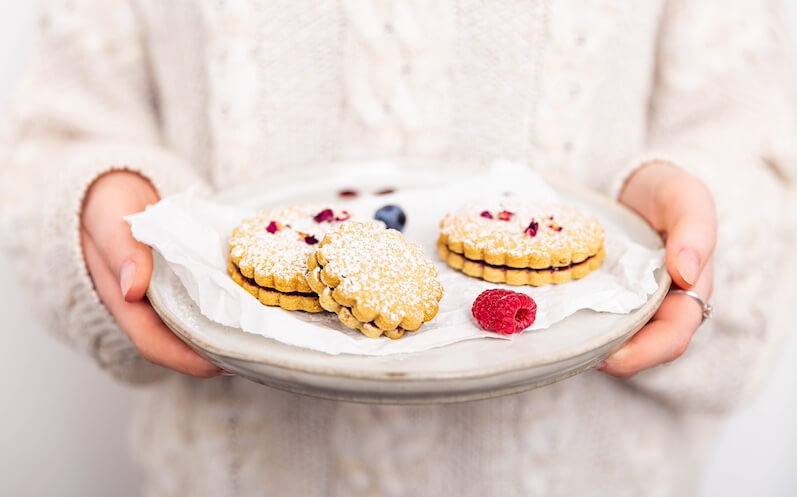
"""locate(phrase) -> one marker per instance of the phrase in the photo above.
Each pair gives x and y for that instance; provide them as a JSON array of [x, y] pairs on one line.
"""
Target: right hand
[[121, 267]]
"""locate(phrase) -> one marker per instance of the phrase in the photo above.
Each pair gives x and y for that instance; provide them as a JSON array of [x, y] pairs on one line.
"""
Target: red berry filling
[[487, 214], [504, 311]]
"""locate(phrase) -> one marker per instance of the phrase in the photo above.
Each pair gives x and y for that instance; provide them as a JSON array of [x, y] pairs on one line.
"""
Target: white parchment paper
[[192, 235]]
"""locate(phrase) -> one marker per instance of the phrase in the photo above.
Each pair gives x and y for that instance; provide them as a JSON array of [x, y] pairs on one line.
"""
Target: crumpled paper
[[192, 235]]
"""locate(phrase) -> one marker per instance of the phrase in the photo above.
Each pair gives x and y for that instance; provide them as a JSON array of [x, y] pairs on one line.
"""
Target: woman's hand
[[121, 267], [680, 207]]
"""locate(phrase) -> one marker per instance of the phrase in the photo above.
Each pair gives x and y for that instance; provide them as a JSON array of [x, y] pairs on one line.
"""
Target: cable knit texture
[[215, 93]]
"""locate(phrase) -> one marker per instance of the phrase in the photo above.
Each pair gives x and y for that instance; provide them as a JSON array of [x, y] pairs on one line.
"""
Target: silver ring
[[708, 311]]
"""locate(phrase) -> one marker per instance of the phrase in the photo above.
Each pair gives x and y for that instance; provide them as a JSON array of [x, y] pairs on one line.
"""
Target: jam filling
[[552, 269], [251, 281], [372, 323]]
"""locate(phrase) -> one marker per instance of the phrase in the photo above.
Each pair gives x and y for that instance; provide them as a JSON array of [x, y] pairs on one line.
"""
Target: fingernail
[[126, 276], [601, 366], [688, 266]]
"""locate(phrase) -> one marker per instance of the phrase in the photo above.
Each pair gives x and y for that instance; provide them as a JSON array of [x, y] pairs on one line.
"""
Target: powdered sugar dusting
[[557, 228], [381, 270], [283, 253]]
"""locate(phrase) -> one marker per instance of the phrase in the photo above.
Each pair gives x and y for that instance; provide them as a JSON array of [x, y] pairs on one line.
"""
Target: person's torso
[[587, 434], [246, 88]]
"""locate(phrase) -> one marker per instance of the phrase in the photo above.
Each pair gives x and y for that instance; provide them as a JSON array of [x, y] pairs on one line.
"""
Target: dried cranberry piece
[[554, 225], [505, 215], [273, 227], [486, 214], [344, 216], [348, 193], [386, 191], [531, 230], [307, 237], [324, 215]]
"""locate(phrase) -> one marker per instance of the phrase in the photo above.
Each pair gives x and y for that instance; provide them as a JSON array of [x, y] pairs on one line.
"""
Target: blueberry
[[392, 216]]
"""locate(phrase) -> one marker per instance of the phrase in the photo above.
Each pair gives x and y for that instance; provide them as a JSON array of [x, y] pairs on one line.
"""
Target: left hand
[[680, 207]]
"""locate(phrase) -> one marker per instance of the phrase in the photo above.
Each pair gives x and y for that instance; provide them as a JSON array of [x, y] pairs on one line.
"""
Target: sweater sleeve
[[722, 108], [84, 107]]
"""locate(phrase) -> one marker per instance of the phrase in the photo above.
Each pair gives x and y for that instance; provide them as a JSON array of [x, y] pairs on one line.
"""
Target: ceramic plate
[[468, 370]]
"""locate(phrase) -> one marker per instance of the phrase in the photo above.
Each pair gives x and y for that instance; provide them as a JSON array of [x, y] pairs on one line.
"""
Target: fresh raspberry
[[504, 311]]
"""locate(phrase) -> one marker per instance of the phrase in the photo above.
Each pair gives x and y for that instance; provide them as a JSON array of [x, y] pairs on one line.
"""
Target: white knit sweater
[[221, 92]]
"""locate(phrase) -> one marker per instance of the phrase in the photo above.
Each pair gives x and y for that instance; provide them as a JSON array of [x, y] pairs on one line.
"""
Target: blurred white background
[[62, 425]]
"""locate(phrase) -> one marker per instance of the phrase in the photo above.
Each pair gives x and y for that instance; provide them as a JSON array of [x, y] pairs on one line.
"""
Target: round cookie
[[522, 243], [268, 296], [268, 253], [374, 279]]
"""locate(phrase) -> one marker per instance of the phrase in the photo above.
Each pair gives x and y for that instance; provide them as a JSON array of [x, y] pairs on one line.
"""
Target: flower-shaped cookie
[[374, 279], [268, 253]]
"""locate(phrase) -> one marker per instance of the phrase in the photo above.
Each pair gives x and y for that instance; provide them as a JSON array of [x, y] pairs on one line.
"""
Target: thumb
[[108, 202], [691, 229]]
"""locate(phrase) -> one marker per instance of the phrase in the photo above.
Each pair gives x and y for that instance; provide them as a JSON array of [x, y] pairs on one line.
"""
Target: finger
[[691, 227], [129, 260], [666, 337], [154, 341], [662, 340], [687, 305]]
